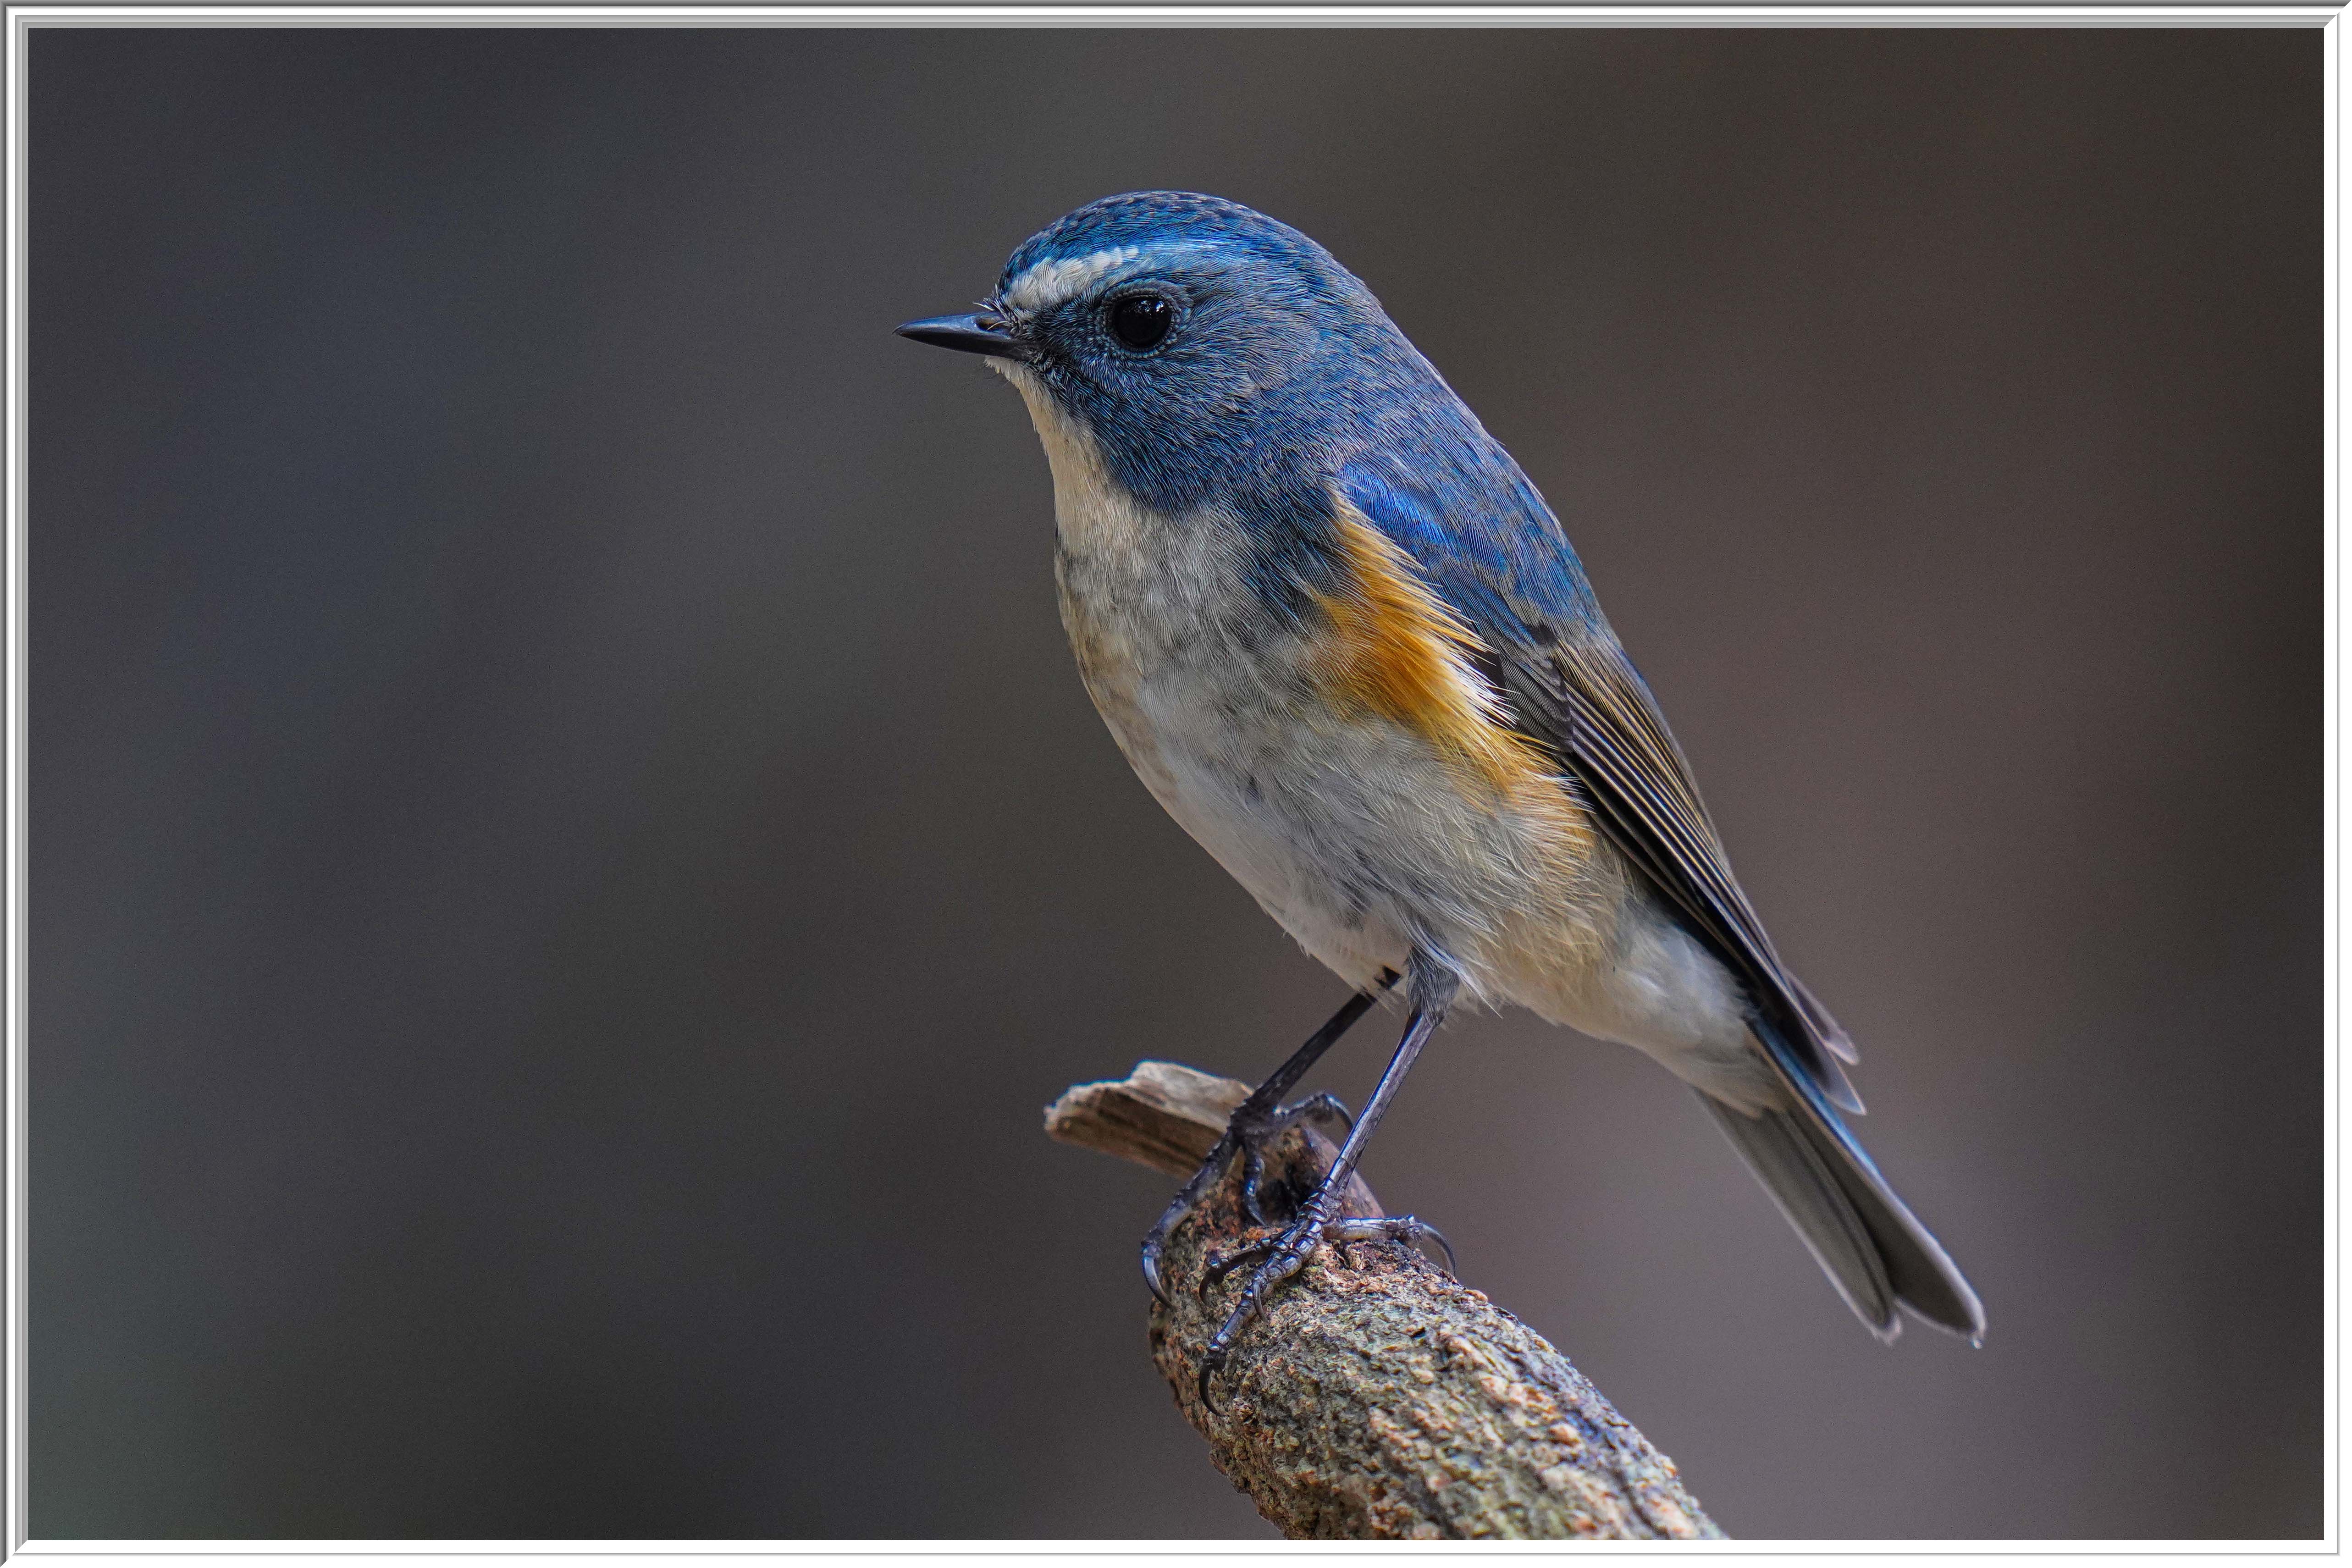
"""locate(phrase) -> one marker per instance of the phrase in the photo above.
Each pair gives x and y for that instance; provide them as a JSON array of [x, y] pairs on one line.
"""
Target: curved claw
[[1404, 1229], [1287, 1256], [1252, 1172], [1326, 1108], [1452, 1271], [1214, 1274], [1209, 1366], [1178, 1207]]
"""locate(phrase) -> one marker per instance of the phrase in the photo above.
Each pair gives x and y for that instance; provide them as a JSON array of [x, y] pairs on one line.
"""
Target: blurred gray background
[[567, 851]]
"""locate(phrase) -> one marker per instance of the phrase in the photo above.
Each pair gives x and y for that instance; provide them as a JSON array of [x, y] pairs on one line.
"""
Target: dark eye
[[1140, 321]]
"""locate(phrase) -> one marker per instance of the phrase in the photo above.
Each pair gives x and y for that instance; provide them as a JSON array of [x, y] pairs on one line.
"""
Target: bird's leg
[[1257, 1121], [1433, 986]]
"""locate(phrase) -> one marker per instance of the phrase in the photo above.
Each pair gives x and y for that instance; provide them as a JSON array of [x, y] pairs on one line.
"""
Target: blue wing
[[1506, 567]]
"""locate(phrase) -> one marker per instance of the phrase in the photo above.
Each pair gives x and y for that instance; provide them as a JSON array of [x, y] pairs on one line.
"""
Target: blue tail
[[1872, 1247]]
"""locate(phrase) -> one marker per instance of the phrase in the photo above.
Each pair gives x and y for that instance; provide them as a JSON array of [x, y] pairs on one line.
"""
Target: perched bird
[[1349, 648]]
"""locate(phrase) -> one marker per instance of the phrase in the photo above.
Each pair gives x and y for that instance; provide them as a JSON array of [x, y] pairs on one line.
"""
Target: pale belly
[[1352, 832]]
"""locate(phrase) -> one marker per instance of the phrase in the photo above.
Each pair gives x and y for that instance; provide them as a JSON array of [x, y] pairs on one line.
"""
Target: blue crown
[[1143, 218]]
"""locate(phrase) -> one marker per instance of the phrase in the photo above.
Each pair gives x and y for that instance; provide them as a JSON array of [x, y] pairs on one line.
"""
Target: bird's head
[[1196, 342]]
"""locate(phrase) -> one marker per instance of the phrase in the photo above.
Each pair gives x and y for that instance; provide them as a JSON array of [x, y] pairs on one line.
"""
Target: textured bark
[[1374, 1397]]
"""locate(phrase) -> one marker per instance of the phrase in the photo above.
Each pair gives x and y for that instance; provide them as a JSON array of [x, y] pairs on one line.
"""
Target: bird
[[1343, 640]]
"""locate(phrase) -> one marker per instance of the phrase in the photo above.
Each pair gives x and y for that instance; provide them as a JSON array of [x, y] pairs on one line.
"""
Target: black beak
[[973, 334]]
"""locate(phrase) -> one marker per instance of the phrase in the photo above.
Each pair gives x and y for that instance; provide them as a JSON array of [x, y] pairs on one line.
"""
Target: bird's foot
[[1260, 1133], [1286, 1254], [1250, 1133]]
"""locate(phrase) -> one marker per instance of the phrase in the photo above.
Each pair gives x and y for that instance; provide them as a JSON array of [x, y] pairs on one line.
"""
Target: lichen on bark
[[1374, 1397]]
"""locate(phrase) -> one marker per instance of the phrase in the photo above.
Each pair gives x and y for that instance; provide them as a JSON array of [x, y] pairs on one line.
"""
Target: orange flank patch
[[1400, 651]]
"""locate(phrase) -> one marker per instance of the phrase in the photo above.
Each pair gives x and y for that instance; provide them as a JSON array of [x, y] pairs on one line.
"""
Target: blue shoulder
[[1483, 539]]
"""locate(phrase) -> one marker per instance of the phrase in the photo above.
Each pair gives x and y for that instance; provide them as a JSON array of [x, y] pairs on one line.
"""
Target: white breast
[[1202, 691], [1352, 834]]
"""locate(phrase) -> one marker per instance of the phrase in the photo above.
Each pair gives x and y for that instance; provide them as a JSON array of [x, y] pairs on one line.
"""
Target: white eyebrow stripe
[[1050, 283]]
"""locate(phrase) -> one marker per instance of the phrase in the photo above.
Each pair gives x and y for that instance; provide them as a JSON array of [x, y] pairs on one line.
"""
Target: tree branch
[[1374, 1397]]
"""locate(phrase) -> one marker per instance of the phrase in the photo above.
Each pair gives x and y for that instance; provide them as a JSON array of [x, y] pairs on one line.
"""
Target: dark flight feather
[[1571, 687]]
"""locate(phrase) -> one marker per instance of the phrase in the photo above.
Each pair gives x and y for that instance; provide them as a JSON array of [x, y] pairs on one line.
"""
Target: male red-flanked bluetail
[[1347, 646]]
